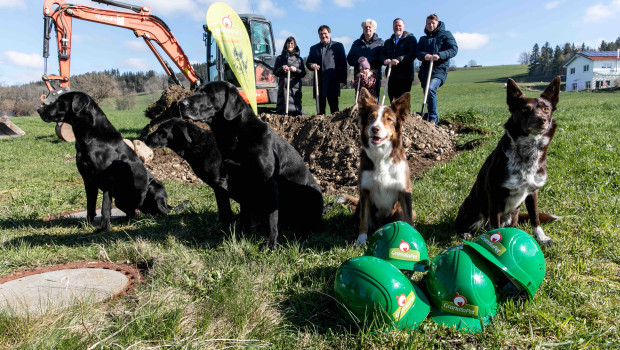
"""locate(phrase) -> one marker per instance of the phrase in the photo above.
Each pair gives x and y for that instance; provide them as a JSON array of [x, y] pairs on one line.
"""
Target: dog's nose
[[375, 129]]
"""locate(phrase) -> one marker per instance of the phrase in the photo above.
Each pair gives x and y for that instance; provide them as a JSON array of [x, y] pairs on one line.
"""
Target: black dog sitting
[[266, 175], [198, 147], [105, 161]]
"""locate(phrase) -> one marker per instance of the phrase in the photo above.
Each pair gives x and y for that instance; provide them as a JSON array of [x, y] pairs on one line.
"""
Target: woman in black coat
[[289, 60]]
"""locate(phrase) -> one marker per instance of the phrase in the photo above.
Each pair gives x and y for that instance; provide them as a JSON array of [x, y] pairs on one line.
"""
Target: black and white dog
[[517, 168], [105, 162], [266, 175]]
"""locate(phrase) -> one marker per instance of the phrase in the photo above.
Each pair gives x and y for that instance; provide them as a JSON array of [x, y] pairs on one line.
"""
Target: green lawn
[[206, 286]]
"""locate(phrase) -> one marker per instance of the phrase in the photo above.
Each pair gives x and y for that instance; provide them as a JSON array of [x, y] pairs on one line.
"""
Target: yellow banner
[[229, 32]]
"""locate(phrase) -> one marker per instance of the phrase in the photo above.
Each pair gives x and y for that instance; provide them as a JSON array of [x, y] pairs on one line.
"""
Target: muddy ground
[[330, 145]]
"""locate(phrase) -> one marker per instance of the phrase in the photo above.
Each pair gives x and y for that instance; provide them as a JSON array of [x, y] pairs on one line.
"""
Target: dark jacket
[[333, 68], [440, 42], [289, 59], [404, 52], [373, 51]]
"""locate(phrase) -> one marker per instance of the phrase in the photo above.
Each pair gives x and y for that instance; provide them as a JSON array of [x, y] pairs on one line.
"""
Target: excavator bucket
[[8, 129]]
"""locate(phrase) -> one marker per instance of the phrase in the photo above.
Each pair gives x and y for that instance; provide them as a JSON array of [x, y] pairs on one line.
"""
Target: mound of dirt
[[330, 145]]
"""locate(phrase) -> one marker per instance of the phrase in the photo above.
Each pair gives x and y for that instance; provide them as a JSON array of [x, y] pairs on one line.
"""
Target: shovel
[[428, 82], [387, 80], [288, 91], [316, 89], [357, 94]]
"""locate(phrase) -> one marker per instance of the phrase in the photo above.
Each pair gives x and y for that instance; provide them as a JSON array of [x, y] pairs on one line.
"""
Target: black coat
[[440, 42], [404, 52], [333, 69], [294, 101]]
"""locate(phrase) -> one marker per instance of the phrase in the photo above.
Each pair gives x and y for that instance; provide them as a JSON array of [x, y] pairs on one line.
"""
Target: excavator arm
[[143, 23]]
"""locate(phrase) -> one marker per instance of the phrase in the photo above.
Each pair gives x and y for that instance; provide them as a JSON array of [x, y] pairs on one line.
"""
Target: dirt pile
[[330, 146]]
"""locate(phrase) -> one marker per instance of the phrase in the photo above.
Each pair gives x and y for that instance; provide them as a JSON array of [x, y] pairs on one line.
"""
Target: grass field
[[208, 287]]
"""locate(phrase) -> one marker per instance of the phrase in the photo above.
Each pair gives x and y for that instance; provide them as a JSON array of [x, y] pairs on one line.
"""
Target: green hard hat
[[401, 245], [516, 253], [461, 289], [377, 292]]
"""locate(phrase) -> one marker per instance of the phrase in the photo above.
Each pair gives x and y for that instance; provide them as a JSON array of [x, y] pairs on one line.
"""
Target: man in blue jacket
[[439, 46], [328, 58]]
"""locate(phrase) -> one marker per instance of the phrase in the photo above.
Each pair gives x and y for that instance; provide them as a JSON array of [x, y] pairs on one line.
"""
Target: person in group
[[289, 61], [366, 77], [400, 52], [438, 46], [329, 60], [370, 47]]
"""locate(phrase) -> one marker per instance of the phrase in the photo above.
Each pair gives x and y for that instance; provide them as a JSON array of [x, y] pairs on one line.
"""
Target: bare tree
[[472, 63], [524, 58], [98, 85]]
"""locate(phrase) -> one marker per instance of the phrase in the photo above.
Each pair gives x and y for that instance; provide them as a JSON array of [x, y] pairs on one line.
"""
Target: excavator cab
[[263, 50]]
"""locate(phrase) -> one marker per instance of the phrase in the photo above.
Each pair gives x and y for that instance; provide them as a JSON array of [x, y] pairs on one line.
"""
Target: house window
[[572, 70], [606, 65], [587, 84], [586, 68]]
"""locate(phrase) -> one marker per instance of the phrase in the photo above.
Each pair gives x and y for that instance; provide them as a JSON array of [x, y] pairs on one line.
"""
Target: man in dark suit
[[399, 51], [329, 60]]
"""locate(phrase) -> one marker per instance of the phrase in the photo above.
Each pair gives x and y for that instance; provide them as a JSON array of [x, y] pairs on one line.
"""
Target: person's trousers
[[333, 104], [431, 101], [397, 87]]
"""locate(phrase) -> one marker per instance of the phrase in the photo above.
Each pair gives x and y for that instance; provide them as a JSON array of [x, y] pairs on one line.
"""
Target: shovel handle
[[288, 91], [387, 80], [428, 82], [316, 89]]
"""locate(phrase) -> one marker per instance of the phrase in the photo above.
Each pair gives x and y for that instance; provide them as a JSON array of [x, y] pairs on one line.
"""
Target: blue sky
[[489, 32]]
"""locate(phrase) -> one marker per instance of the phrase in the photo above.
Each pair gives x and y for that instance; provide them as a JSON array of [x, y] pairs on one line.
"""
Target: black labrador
[[105, 161], [266, 175], [198, 147]]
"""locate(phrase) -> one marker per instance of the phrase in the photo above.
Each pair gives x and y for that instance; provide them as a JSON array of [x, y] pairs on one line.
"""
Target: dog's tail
[[543, 217], [345, 199]]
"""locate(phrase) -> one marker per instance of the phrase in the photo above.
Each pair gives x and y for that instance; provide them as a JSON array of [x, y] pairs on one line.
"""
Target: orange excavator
[[145, 25]]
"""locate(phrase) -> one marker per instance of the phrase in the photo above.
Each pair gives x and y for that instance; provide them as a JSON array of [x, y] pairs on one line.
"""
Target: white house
[[593, 70]]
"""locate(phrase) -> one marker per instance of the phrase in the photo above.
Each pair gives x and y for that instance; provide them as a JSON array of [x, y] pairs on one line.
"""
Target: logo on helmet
[[402, 300], [459, 300], [404, 246], [496, 237]]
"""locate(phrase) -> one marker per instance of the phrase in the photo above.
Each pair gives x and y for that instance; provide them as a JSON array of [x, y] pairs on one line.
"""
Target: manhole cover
[[44, 289]]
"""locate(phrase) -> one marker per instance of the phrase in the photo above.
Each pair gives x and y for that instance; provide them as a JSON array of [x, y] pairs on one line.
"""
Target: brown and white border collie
[[384, 181], [517, 168]]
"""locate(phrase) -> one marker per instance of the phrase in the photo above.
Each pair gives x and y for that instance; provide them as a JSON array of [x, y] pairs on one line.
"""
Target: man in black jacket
[[369, 45], [399, 51], [439, 46], [328, 58]]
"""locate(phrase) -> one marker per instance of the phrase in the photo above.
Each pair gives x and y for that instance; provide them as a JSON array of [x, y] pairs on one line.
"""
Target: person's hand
[[395, 62], [387, 62], [285, 68], [315, 66], [435, 57], [428, 57], [293, 69]]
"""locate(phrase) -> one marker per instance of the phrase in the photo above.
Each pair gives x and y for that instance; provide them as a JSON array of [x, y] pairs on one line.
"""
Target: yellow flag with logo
[[229, 32]]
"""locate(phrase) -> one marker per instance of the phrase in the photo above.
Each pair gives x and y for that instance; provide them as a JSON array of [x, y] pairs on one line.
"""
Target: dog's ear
[[552, 92], [402, 105], [513, 93], [366, 98], [234, 104], [80, 101]]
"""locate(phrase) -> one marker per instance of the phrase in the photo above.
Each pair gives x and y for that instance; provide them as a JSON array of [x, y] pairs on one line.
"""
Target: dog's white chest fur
[[386, 180], [522, 168]]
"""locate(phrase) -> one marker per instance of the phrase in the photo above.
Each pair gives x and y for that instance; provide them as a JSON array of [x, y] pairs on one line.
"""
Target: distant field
[[206, 286]]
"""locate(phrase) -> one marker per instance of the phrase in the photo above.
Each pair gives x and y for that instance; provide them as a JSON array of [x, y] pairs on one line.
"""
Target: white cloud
[[32, 60], [13, 3], [552, 5], [268, 7], [601, 12], [344, 3], [136, 64], [21, 77], [344, 40], [470, 41], [309, 5], [136, 45]]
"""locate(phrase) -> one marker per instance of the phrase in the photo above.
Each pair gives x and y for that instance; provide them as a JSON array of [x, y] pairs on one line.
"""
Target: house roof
[[593, 55]]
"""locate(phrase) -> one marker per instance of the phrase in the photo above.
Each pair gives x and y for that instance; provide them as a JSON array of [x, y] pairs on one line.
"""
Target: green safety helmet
[[461, 289], [516, 253], [401, 245], [377, 292]]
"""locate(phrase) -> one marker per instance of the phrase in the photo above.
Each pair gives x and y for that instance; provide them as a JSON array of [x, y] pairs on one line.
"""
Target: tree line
[[546, 62]]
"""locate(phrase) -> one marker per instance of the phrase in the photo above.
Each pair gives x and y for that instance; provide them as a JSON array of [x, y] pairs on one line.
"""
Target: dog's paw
[[361, 239], [541, 237]]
